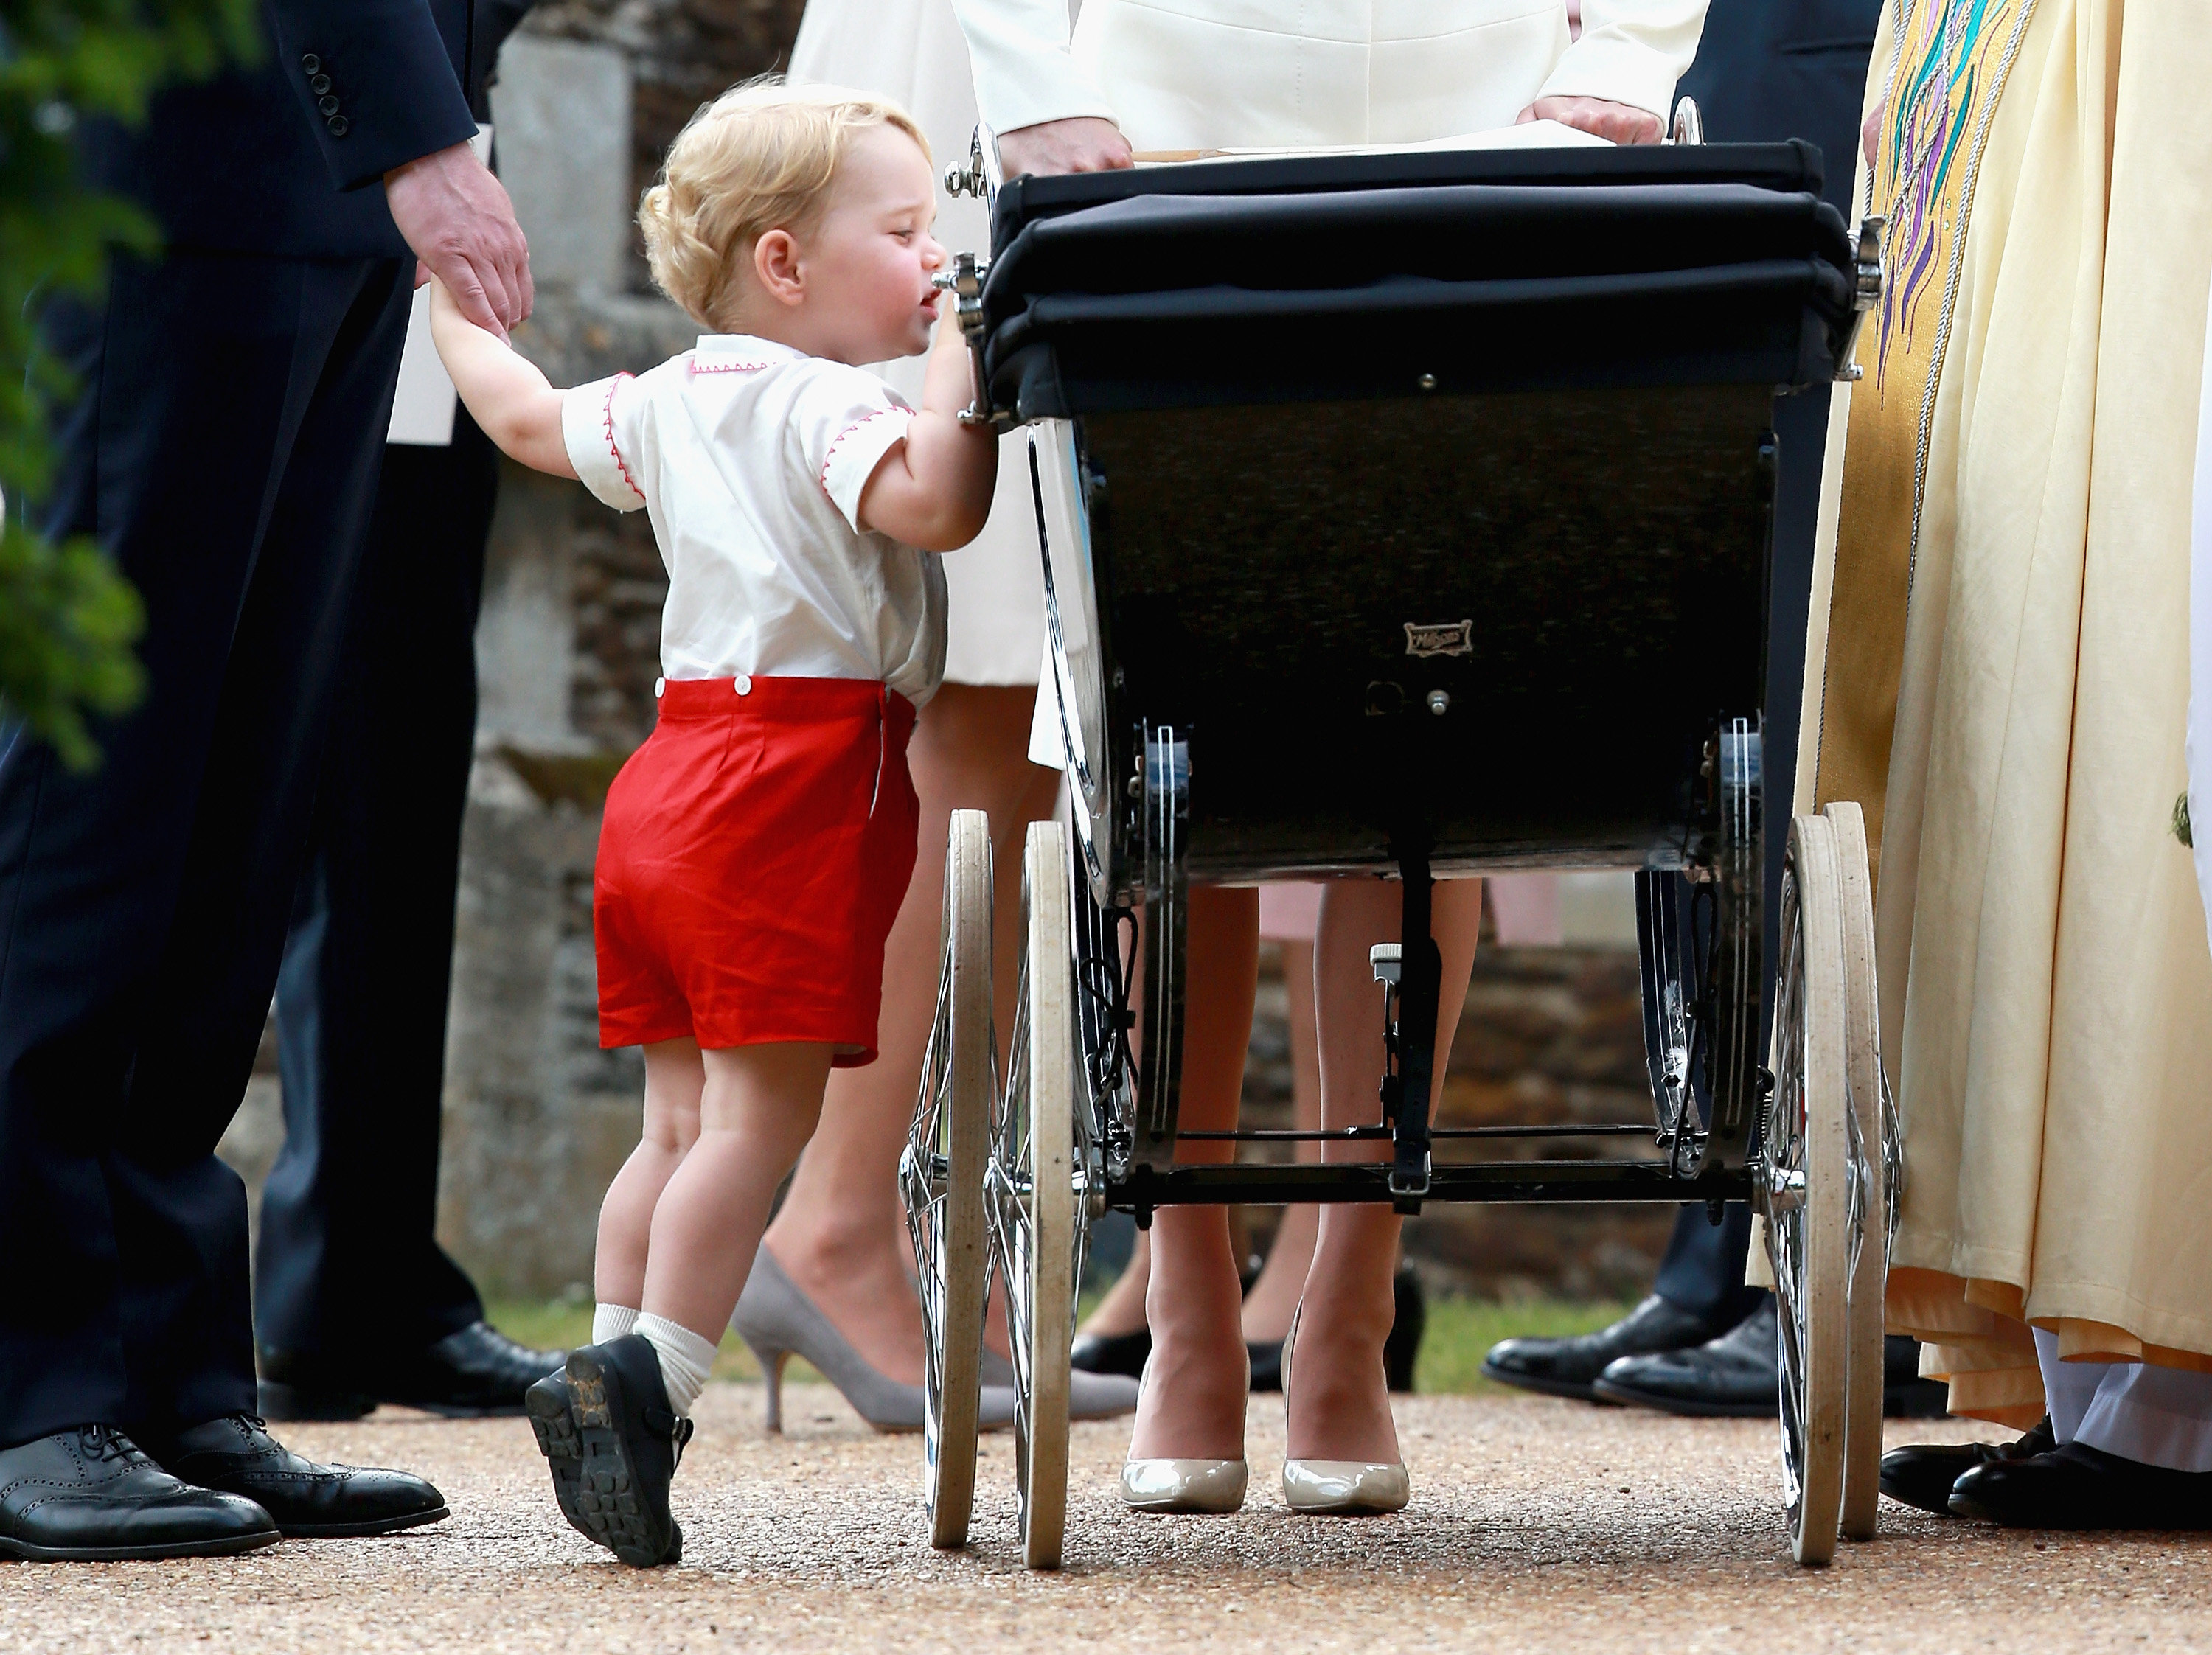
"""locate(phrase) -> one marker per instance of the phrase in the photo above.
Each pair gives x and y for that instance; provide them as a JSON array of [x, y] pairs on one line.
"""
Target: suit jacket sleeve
[[394, 82], [1631, 51], [1023, 72]]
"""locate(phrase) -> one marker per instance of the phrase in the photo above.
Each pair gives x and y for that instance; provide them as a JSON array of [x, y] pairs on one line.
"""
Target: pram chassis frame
[[1702, 977]]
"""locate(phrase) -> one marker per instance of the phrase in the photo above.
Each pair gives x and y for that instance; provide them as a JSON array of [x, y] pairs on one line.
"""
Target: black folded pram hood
[[1349, 276]]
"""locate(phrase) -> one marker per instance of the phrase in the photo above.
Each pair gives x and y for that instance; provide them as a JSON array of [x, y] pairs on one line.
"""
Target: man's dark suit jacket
[[286, 157], [1768, 70]]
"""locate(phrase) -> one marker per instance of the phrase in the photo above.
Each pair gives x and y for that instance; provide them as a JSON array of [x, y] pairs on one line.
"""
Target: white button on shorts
[[659, 687], [744, 684]]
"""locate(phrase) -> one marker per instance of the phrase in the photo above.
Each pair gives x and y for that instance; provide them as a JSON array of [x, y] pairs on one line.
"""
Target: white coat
[[1223, 74]]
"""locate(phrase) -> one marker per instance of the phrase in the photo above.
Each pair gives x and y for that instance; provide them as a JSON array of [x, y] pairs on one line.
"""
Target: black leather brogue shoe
[[1569, 1367], [2078, 1487], [237, 1455], [1923, 1474], [1735, 1376], [478, 1372], [612, 1442], [88, 1494]]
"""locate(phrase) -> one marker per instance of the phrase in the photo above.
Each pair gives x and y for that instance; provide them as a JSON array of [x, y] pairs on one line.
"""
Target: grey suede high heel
[[778, 1322], [1089, 1396]]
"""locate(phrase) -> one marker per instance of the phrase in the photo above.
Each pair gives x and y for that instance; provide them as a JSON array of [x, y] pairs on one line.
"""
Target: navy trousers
[[223, 448], [1768, 70], [346, 1262]]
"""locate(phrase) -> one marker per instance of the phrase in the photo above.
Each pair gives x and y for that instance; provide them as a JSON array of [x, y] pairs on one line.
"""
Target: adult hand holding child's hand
[[458, 219]]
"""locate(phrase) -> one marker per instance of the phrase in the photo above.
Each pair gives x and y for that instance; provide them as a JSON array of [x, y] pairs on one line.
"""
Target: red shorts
[[754, 853]]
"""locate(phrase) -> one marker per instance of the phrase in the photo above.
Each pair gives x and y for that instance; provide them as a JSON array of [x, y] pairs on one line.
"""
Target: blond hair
[[760, 157]]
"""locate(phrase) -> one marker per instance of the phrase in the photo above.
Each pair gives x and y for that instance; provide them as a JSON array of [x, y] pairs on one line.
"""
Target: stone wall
[[537, 1117]]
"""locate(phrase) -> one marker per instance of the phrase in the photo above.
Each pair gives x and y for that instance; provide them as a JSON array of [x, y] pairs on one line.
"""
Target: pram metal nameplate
[[1449, 637]]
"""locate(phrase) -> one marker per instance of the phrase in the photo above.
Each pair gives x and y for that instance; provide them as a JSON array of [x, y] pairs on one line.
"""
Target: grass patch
[[1460, 1332]]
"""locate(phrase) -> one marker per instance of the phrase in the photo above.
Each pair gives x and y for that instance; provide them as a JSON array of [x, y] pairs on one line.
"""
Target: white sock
[[612, 1322], [684, 1356]]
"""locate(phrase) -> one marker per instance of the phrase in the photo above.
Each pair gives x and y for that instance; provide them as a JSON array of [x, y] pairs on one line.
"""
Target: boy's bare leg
[[757, 1110], [841, 1235], [674, 1077]]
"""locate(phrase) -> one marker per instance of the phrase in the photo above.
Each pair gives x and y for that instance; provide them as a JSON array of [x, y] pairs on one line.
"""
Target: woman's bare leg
[[841, 1235], [1267, 1307], [1195, 1384], [1341, 1406]]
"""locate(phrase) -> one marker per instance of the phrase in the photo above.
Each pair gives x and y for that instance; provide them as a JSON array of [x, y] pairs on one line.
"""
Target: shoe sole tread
[[600, 1496]]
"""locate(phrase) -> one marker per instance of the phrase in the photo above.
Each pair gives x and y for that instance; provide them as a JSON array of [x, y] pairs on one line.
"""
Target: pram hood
[[1348, 276]]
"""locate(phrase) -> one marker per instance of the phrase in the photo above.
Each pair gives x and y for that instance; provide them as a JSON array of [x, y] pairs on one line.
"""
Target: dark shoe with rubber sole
[[613, 1448], [309, 1501], [2077, 1487], [1922, 1475], [90, 1495]]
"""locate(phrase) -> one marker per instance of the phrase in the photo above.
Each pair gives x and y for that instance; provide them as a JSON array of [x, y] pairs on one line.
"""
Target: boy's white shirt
[[750, 458], [1190, 74]]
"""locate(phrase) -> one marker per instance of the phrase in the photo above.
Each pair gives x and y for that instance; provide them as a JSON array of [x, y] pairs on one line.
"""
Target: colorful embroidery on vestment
[[1931, 127]]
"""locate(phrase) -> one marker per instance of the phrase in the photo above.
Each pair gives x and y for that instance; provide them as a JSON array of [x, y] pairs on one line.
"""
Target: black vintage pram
[[1405, 514]]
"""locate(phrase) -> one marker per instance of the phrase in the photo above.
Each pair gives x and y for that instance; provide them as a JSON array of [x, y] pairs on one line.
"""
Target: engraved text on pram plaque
[[1451, 638]]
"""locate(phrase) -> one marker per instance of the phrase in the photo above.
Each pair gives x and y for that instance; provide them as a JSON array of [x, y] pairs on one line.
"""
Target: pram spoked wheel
[[941, 1178], [1875, 1165], [1802, 1188], [1038, 1222]]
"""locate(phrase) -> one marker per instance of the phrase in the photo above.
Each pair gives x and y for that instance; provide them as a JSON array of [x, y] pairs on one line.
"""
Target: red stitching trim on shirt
[[698, 366], [620, 464], [838, 441]]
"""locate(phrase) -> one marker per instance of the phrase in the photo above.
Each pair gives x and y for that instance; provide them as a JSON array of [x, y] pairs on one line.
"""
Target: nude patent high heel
[[1338, 1488], [1212, 1487]]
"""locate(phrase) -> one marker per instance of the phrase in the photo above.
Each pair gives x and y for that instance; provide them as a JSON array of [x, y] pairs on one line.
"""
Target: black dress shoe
[[1116, 1353], [1922, 1475], [1567, 1367], [88, 1495], [2077, 1487], [1735, 1376], [237, 1455], [612, 1443], [478, 1372]]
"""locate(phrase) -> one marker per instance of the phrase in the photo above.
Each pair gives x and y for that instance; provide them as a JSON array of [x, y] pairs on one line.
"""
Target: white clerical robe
[[1219, 74]]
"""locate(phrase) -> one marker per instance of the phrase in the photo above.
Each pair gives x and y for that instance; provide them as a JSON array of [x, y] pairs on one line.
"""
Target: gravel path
[[1535, 1526]]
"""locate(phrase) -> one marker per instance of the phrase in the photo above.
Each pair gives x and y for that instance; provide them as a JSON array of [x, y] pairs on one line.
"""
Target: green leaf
[[68, 620]]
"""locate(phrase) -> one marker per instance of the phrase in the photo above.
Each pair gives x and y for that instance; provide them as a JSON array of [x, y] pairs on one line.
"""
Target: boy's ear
[[775, 262]]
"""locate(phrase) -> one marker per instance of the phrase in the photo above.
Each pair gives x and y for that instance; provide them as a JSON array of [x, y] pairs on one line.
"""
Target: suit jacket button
[[311, 63], [329, 106], [319, 84], [338, 125]]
